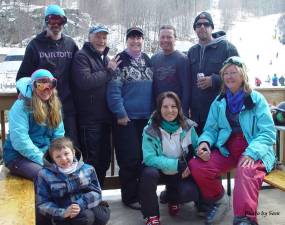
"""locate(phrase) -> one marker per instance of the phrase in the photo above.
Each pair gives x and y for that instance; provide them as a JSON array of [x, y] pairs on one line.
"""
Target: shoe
[[153, 220], [217, 211], [243, 220], [163, 197], [134, 205], [173, 209]]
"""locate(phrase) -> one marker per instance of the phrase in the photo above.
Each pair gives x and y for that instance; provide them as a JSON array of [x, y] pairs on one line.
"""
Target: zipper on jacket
[[252, 128]]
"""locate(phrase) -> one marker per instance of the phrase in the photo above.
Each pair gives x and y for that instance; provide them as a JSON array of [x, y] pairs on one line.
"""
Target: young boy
[[67, 189]]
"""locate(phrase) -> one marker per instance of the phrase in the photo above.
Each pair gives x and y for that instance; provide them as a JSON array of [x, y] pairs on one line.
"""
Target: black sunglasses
[[205, 24]]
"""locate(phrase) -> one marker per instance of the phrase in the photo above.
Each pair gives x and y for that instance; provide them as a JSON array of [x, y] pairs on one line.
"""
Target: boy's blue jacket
[[56, 191], [256, 123], [152, 147], [26, 137]]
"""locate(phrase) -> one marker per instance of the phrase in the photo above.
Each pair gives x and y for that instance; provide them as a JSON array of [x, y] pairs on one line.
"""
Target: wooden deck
[[17, 200]]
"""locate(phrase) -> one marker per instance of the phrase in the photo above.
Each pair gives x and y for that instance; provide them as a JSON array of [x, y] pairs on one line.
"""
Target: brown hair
[[242, 70], [60, 143], [168, 27], [156, 116], [48, 112]]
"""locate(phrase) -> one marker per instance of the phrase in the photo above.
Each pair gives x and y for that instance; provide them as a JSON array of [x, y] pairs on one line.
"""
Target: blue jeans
[[24, 167]]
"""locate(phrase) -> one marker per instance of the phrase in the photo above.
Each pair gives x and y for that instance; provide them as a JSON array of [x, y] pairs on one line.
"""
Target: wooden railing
[[274, 95]]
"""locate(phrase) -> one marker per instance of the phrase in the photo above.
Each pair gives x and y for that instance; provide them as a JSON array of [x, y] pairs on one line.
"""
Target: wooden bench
[[17, 199], [276, 178]]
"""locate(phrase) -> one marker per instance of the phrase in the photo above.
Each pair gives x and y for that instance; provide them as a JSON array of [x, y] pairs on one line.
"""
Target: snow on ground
[[252, 37], [256, 36]]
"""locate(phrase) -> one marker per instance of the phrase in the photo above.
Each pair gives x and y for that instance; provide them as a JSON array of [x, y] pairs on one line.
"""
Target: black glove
[[182, 165]]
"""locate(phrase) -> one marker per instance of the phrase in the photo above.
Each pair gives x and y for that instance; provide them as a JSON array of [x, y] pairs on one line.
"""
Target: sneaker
[[153, 220], [163, 197], [173, 209], [243, 220], [217, 211]]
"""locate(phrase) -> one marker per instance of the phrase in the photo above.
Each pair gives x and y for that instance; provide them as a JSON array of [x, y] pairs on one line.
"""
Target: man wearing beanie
[[54, 51], [206, 59], [91, 72]]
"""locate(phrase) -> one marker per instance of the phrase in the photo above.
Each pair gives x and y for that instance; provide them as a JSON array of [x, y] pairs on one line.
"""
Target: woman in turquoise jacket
[[168, 143], [239, 133], [34, 121]]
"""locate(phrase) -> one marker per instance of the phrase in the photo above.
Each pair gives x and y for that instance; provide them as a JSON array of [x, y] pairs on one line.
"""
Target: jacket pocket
[[58, 189]]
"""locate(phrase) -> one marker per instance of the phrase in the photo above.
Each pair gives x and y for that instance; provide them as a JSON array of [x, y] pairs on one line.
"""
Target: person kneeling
[[67, 190], [168, 142]]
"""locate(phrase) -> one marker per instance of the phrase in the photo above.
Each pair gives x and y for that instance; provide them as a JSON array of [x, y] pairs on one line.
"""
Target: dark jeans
[[71, 129], [99, 215], [24, 167], [178, 190], [95, 143], [128, 142]]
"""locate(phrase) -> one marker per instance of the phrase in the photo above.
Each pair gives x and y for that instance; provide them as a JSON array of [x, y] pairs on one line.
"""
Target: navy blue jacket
[[208, 60], [90, 77], [55, 56]]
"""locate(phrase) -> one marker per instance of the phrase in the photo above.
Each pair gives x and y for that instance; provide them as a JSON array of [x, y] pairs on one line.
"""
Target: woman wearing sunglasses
[[239, 133], [34, 121]]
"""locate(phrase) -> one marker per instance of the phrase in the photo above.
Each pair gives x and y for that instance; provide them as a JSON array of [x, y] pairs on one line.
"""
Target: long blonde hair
[[47, 112]]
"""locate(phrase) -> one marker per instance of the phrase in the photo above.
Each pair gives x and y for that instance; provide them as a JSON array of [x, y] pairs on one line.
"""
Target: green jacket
[[152, 147]]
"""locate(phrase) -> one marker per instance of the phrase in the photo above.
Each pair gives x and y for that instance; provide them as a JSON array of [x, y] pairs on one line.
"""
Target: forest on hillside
[[21, 19]]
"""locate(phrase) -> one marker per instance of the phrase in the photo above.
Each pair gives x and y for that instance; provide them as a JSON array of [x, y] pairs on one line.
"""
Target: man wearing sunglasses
[[206, 59], [54, 51]]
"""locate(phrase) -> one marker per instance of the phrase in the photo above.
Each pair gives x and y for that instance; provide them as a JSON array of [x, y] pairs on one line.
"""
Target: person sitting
[[34, 121], [168, 142], [239, 133], [68, 190]]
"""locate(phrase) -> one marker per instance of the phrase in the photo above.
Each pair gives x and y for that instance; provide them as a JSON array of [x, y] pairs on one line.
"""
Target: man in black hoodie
[[91, 71], [54, 51], [206, 59]]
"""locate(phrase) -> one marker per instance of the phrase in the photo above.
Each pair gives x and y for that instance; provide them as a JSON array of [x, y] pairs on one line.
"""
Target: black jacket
[[55, 56], [90, 77], [208, 60]]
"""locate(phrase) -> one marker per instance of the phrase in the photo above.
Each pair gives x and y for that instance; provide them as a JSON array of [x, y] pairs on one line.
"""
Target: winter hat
[[204, 15], [134, 30], [98, 28], [55, 10], [41, 73]]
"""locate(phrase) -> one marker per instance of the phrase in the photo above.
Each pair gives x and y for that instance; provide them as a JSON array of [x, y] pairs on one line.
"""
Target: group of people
[[145, 104]]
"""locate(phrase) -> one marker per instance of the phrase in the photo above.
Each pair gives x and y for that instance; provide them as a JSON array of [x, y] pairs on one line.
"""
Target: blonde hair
[[47, 112], [241, 70]]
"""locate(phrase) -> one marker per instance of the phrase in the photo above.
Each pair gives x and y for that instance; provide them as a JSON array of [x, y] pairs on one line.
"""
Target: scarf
[[170, 127], [70, 169], [235, 101], [134, 55]]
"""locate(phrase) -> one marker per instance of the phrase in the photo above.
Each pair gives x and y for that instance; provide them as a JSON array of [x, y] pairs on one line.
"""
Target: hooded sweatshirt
[[207, 59], [55, 191], [56, 56]]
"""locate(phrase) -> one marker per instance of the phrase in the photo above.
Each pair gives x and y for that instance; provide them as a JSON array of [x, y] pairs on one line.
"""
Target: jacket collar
[[248, 102]]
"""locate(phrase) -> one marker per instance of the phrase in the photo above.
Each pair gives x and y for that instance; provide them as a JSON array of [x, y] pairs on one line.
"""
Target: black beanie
[[204, 15]]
